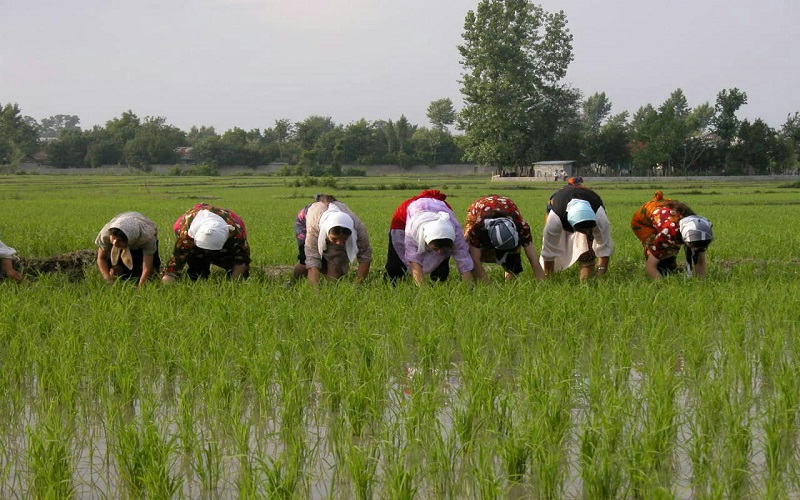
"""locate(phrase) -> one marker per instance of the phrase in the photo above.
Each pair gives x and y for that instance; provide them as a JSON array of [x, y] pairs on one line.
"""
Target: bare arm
[[8, 268], [533, 258], [362, 271], [602, 266], [477, 268], [651, 268], [416, 272], [700, 266], [549, 267], [147, 269], [313, 276], [238, 270], [102, 265]]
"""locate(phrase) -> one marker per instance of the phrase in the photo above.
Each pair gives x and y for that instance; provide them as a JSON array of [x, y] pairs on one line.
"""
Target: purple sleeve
[[461, 254]]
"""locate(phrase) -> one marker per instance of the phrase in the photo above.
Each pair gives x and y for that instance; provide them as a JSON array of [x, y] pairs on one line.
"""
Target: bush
[[355, 172], [289, 170], [203, 169], [329, 181], [305, 181]]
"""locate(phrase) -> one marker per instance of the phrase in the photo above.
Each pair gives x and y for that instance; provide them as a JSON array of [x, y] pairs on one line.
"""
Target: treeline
[[314, 146], [670, 139]]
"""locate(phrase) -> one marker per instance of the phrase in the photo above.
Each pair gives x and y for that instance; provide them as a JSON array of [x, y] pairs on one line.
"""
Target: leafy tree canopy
[[514, 55]]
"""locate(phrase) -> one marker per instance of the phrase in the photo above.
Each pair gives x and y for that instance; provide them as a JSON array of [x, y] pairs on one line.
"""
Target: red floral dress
[[235, 251], [658, 228], [495, 206]]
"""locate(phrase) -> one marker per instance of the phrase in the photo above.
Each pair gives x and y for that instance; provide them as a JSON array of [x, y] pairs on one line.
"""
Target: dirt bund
[[72, 264], [75, 264]]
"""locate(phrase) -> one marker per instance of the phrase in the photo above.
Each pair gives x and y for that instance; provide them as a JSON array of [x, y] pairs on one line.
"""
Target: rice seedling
[[207, 467], [361, 462], [49, 458], [400, 465], [616, 388]]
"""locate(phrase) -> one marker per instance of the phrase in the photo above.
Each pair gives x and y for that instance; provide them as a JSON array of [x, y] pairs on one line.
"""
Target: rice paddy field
[[615, 388]]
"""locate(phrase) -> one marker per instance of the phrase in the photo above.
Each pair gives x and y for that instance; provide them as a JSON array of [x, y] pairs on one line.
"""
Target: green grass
[[616, 388]]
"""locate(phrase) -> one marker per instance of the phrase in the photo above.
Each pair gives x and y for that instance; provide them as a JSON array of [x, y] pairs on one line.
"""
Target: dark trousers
[[120, 271], [200, 266], [395, 269], [667, 266]]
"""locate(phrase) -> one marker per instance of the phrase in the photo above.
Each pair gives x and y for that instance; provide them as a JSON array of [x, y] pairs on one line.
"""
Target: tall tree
[[726, 124], [673, 137], [752, 153], [672, 116], [645, 130], [69, 149], [390, 135], [725, 121], [51, 126], [154, 142], [124, 128], [594, 110], [699, 148], [405, 130], [359, 141], [17, 136], [514, 55], [280, 134], [311, 129], [612, 142], [102, 149], [441, 113], [196, 134], [790, 134]]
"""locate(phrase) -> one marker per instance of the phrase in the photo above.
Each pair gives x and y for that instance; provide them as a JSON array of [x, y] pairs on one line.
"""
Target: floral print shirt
[[493, 206], [666, 241], [235, 251], [300, 225]]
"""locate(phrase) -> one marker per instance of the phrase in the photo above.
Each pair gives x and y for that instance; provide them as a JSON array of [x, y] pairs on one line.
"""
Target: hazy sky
[[247, 63]]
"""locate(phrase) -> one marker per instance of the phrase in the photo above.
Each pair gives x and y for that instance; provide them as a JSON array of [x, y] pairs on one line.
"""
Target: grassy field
[[617, 388]]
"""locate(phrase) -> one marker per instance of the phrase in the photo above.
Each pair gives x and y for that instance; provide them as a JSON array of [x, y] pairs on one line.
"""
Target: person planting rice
[[424, 233], [7, 256], [576, 229], [575, 181], [209, 235], [127, 248], [329, 238], [662, 226], [496, 233]]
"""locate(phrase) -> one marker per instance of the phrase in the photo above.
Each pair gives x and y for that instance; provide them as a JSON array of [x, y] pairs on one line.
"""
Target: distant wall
[[455, 169], [710, 178], [372, 170]]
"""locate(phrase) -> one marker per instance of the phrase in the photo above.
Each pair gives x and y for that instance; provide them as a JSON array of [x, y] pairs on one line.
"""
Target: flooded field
[[616, 388]]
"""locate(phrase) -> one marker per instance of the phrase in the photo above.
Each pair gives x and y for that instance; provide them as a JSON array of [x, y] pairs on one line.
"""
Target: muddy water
[[244, 446]]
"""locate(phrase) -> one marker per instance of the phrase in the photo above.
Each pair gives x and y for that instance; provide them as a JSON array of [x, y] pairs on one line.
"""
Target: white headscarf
[[334, 217], [209, 230], [695, 228], [428, 226], [502, 233], [136, 231], [6, 252]]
